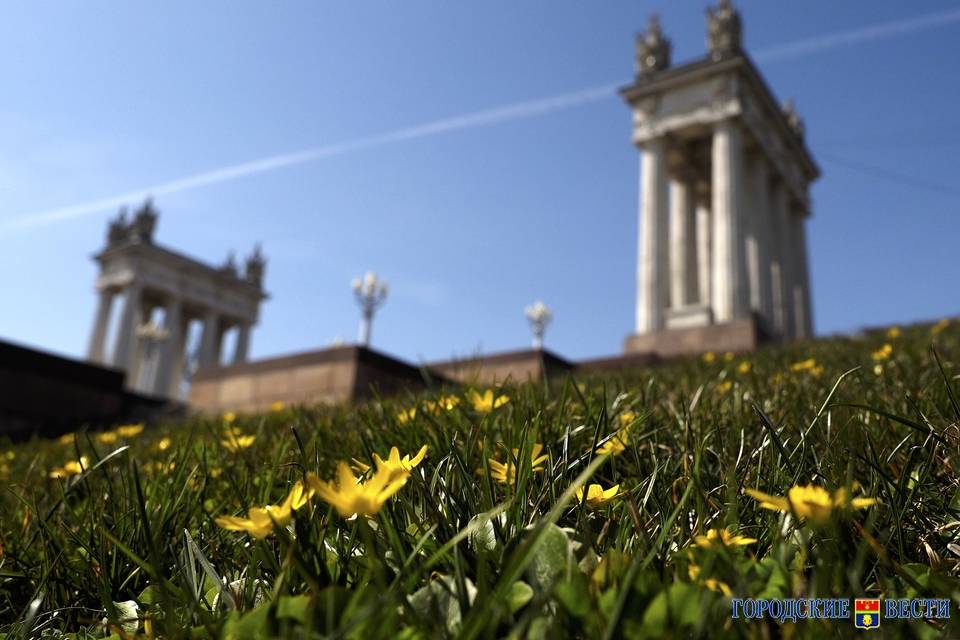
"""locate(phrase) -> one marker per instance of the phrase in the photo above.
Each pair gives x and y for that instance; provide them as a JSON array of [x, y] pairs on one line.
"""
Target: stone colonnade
[[132, 350], [721, 245], [150, 278]]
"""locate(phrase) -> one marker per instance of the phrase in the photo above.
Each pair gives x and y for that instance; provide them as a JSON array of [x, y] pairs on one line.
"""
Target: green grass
[[455, 553]]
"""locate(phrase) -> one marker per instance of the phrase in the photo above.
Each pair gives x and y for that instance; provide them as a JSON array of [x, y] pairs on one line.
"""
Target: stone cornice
[[705, 92], [179, 263]]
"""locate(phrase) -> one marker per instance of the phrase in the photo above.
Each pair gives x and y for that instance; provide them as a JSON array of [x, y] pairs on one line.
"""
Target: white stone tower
[[151, 278], [724, 198]]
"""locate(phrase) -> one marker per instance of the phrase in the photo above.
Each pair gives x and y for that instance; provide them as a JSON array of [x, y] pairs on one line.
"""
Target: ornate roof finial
[[653, 49], [230, 265], [793, 117], [144, 222], [255, 266], [724, 30], [117, 229]]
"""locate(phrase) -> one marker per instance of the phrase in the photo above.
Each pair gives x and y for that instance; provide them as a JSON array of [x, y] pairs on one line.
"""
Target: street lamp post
[[370, 293], [539, 316]]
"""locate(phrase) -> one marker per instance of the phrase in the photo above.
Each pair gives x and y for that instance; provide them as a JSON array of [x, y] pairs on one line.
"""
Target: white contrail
[[476, 119], [856, 36]]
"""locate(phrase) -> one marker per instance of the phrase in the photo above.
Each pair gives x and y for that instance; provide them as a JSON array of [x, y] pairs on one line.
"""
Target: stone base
[[331, 376], [515, 366], [688, 317], [737, 335]]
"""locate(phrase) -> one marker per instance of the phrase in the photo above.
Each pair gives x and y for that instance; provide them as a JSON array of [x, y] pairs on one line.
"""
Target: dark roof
[[23, 359]]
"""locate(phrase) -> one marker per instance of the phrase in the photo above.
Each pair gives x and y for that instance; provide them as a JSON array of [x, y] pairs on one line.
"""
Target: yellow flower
[[709, 357], [744, 368], [406, 416], [616, 444], [939, 327], [506, 473], [724, 387], [130, 430], [351, 497], [597, 496], [878, 369], [893, 333], [164, 444], [443, 403], [816, 371], [159, 466], [627, 418], [804, 365], [66, 438], [487, 402], [229, 417], [721, 538], [107, 437], [234, 442], [811, 503], [710, 583], [260, 521], [397, 467], [71, 468], [883, 352], [728, 356], [277, 406]]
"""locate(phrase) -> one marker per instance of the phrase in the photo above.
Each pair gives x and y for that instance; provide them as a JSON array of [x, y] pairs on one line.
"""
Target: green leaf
[[150, 595], [254, 624], [550, 558], [677, 605], [482, 538], [127, 616], [778, 583], [439, 598], [294, 607], [574, 596], [520, 594]]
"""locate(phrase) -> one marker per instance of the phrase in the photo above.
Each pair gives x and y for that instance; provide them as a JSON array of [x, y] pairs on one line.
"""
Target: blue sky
[[470, 225]]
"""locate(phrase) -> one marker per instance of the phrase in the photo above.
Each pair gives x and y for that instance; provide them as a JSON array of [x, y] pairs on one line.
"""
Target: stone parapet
[[330, 376]]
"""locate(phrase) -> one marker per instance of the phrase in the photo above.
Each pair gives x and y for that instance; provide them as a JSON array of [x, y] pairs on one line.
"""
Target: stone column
[[776, 262], [704, 240], [209, 340], [784, 245], [683, 243], [125, 348], [142, 366], [243, 343], [652, 264], [169, 357], [758, 239], [729, 287], [178, 361], [101, 324], [801, 280], [807, 282]]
